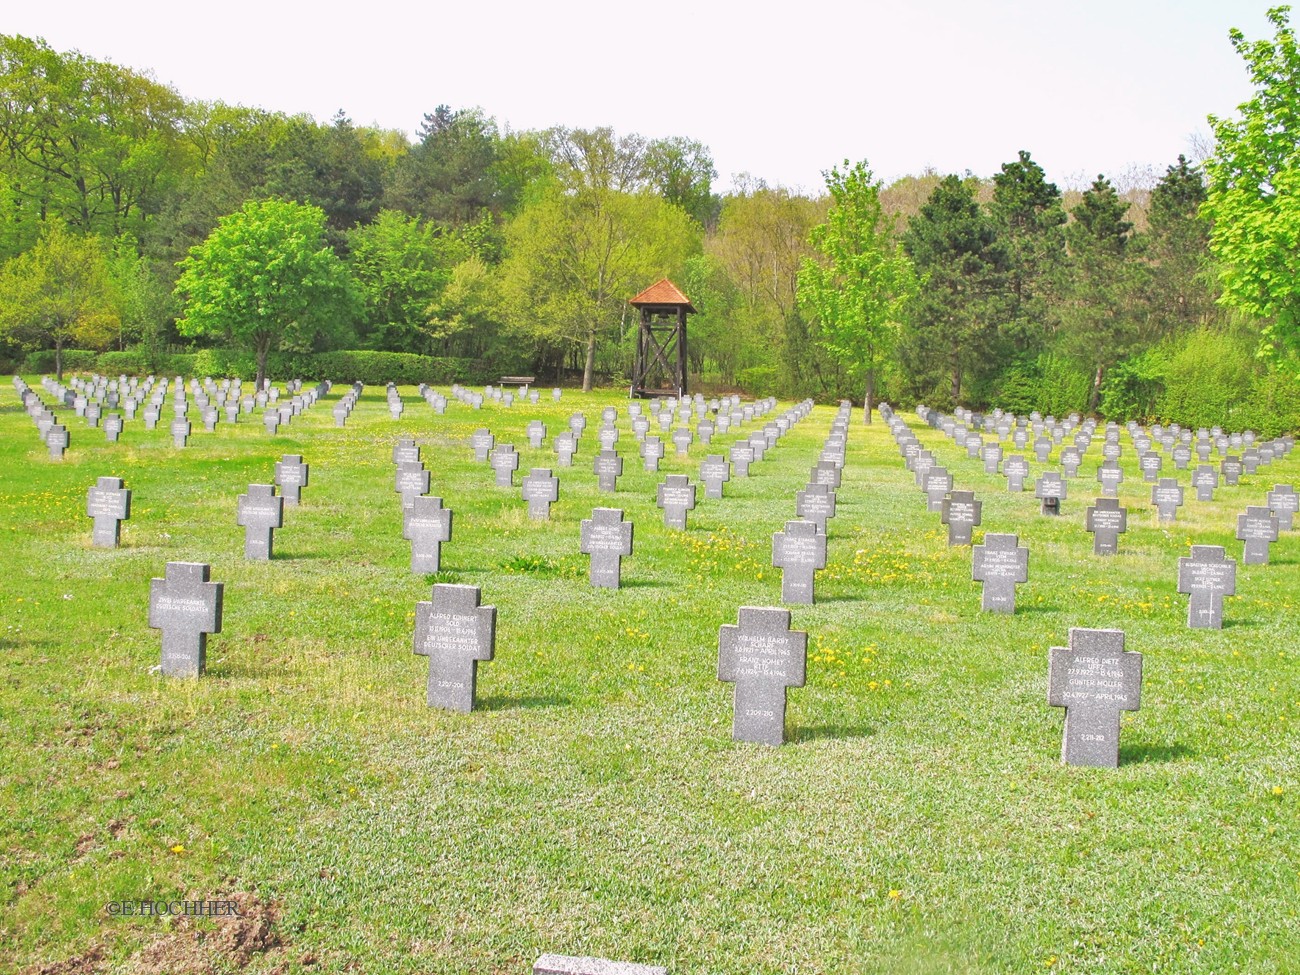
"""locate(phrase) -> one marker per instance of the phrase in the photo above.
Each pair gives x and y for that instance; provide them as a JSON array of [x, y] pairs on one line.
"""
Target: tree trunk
[[58, 360], [1095, 396], [869, 396], [589, 367], [956, 385], [263, 348]]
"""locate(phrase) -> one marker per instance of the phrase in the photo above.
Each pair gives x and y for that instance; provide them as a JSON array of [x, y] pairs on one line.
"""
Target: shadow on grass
[[1138, 754], [819, 731], [640, 584], [1037, 608], [508, 702], [1230, 623]]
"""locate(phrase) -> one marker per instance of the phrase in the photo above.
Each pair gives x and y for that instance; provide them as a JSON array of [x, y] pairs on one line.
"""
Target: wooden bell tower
[[660, 367]]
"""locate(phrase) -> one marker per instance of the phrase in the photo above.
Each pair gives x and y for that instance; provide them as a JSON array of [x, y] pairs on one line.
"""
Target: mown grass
[[917, 820]]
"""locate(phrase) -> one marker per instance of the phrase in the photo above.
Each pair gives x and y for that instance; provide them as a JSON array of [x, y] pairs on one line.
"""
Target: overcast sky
[[781, 92]]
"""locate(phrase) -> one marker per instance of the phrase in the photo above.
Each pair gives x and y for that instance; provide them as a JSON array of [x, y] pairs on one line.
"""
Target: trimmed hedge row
[[371, 368]]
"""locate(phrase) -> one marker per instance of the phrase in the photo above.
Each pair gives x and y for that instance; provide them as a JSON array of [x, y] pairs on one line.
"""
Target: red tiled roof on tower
[[662, 293]]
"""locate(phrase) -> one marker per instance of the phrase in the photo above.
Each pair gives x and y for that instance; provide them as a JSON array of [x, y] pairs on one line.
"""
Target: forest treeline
[[516, 252]]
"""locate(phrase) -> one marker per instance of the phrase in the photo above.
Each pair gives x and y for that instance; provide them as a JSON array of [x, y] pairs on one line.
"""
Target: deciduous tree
[[265, 279], [860, 286]]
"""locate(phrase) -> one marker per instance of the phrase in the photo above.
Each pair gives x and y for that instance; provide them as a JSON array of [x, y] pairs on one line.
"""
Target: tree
[[450, 175], [860, 288], [681, 170], [1180, 294], [265, 279], [400, 265], [574, 258], [58, 292], [1101, 325], [1254, 190], [761, 241], [1027, 209], [955, 248]]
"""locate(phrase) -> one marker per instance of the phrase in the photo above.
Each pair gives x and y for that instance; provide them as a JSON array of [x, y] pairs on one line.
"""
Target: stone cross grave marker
[[715, 472], [504, 461], [762, 657], [1110, 476], [109, 504], [112, 427], [536, 433], [682, 440], [1258, 528], [1016, 469], [608, 468], [1182, 455], [606, 537], [815, 503], [742, 455], [1167, 496], [291, 476], [1001, 564], [826, 472], [1230, 468], [1107, 521], [180, 431], [1283, 502], [57, 440], [261, 511], [1070, 461], [573, 965], [455, 633], [540, 489], [1094, 679], [798, 552], [1205, 479], [991, 454], [676, 496], [564, 444], [186, 607], [1051, 491], [938, 482], [1207, 577], [482, 441], [652, 451], [410, 481], [607, 436], [406, 451], [1151, 463], [270, 421], [961, 513], [427, 526]]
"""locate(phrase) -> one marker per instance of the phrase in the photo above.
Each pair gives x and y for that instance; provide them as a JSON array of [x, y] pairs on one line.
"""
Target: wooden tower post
[[660, 367]]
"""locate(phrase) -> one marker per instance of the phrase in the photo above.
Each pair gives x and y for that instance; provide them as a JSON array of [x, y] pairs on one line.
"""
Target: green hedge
[[371, 368]]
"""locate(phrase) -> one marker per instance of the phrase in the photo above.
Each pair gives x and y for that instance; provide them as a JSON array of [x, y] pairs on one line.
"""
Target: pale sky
[[782, 92]]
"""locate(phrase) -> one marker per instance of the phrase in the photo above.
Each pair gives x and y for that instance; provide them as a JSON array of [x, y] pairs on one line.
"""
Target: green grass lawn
[[916, 820]]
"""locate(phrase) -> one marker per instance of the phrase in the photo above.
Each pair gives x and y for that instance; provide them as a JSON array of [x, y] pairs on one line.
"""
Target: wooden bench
[[517, 380]]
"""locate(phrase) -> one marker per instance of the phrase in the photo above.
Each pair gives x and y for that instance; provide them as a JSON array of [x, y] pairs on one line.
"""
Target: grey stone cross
[[1107, 521], [1000, 563], [715, 472], [1094, 679], [540, 489], [1207, 577], [455, 633], [109, 504], [606, 537], [186, 607], [815, 503], [1258, 528], [427, 526], [260, 512], [504, 460], [291, 477], [798, 552], [961, 513], [676, 496], [762, 657]]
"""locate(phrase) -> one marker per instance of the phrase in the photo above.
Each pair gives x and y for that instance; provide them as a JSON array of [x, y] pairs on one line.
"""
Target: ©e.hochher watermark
[[173, 908]]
